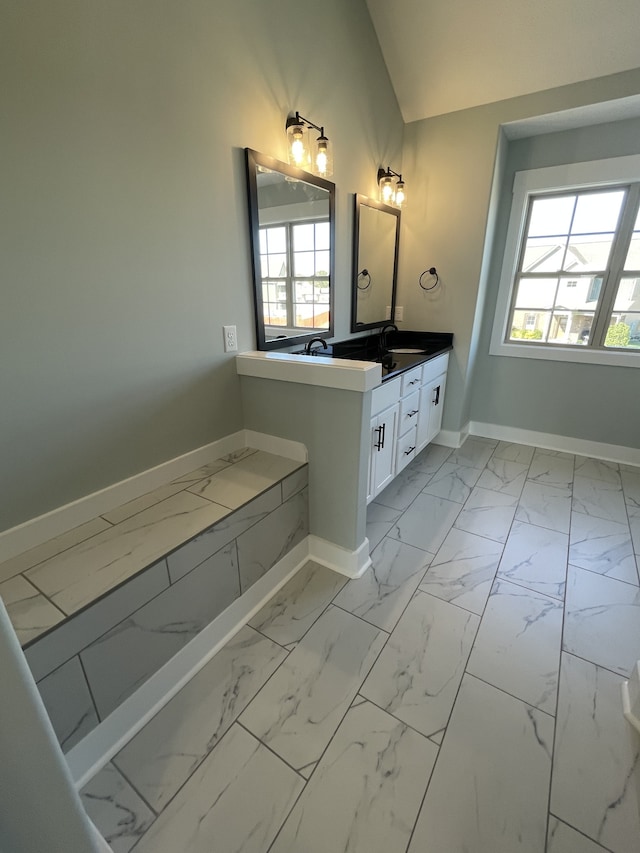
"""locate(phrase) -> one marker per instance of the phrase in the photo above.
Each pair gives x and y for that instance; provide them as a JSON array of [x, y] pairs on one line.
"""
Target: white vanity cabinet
[[406, 416]]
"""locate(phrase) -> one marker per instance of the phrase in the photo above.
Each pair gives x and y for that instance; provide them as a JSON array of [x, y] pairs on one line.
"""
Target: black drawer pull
[[409, 451]]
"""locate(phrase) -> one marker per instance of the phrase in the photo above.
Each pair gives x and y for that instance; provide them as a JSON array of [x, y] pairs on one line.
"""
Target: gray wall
[[449, 165], [588, 401], [124, 236], [335, 426]]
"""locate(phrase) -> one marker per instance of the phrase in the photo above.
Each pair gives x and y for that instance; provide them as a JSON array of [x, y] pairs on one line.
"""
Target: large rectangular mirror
[[376, 238], [292, 222]]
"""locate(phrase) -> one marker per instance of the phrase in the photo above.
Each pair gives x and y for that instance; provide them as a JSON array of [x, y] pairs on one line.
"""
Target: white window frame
[[573, 176]]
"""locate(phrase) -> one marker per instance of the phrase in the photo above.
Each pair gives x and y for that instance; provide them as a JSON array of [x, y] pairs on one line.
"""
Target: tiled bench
[[101, 608]]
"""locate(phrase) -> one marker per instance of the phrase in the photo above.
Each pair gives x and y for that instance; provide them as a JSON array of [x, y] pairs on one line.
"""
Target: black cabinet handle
[[379, 443], [411, 414], [409, 451], [384, 429], [436, 398]]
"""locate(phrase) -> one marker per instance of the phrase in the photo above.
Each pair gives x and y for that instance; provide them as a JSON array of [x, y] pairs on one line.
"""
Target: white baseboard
[[38, 530], [353, 564], [273, 444], [631, 698], [549, 441], [108, 738], [103, 847], [451, 438]]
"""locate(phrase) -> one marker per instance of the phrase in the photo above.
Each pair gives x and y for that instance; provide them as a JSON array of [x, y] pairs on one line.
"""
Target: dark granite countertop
[[368, 348]]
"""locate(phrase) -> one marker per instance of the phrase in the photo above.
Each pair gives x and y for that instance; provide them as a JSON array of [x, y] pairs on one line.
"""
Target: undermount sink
[[406, 350]]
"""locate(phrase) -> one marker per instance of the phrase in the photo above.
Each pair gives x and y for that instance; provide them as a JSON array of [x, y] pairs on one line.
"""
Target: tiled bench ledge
[[100, 609]]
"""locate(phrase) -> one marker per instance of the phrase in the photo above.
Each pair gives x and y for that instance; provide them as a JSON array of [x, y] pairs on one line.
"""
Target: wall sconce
[[316, 156], [391, 192]]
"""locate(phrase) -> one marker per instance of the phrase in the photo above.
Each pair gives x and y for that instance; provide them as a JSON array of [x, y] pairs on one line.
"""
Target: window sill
[[579, 355]]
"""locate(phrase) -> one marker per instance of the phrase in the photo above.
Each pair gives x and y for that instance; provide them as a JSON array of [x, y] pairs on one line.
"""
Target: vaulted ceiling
[[447, 55]]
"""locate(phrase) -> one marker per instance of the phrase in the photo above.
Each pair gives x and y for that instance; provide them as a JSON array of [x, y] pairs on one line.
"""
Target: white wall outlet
[[387, 315], [230, 338], [399, 313]]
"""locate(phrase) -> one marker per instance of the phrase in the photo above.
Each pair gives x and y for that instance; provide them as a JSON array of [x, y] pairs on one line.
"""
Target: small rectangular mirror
[[376, 239], [291, 215]]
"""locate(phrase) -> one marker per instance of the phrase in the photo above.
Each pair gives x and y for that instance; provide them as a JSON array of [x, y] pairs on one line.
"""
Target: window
[[295, 262], [571, 272]]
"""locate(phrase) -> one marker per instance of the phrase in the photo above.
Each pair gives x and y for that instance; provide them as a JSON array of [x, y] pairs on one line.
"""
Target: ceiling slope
[[447, 55]]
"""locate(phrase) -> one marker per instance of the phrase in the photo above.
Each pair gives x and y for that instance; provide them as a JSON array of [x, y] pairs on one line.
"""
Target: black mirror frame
[[253, 160], [360, 200]]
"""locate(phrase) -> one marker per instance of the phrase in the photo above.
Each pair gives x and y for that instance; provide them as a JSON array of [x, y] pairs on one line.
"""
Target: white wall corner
[[352, 564]]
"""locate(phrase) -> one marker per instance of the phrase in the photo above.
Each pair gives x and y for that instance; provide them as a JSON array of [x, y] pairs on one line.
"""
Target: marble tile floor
[[462, 697], [45, 585]]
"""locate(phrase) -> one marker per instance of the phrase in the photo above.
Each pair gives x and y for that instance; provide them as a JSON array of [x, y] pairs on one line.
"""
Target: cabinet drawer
[[405, 449], [385, 395], [432, 369], [411, 381], [409, 410]]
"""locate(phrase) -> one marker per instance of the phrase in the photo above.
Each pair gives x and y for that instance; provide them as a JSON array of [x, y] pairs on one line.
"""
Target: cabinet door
[[383, 439], [437, 403], [430, 415]]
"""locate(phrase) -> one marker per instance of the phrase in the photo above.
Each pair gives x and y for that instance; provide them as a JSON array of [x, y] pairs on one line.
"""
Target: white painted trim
[[37, 530], [450, 437], [344, 374], [631, 697], [549, 441], [627, 710], [102, 844], [606, 172], [108, 738], [353, 564], [273, 444]]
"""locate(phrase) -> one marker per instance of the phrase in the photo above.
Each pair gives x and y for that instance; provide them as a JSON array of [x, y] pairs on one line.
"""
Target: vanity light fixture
[[315, 156], [391, 192]]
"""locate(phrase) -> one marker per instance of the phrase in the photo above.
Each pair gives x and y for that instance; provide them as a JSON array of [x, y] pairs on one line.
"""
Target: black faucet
[[307, 348], [382, 340]]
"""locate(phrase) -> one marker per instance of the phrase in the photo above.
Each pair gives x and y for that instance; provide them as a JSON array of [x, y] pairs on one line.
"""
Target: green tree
[[531, 334], [618, 335]]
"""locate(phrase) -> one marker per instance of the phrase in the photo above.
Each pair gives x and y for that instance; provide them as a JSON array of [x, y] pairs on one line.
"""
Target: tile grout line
[[453, 704], [560, 653], [153, 811]]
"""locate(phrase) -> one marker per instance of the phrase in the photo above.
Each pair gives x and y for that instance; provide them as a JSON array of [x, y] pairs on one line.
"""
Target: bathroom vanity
[[363, 415], [363, 407]]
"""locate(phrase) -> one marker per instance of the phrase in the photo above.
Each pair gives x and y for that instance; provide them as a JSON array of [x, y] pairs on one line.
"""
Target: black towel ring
[[430, 271], [363, 274]]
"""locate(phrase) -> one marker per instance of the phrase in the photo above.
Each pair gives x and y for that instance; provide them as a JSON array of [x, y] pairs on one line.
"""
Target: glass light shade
[[298, 143], [401, 194], [323, 157], [386, 189]]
